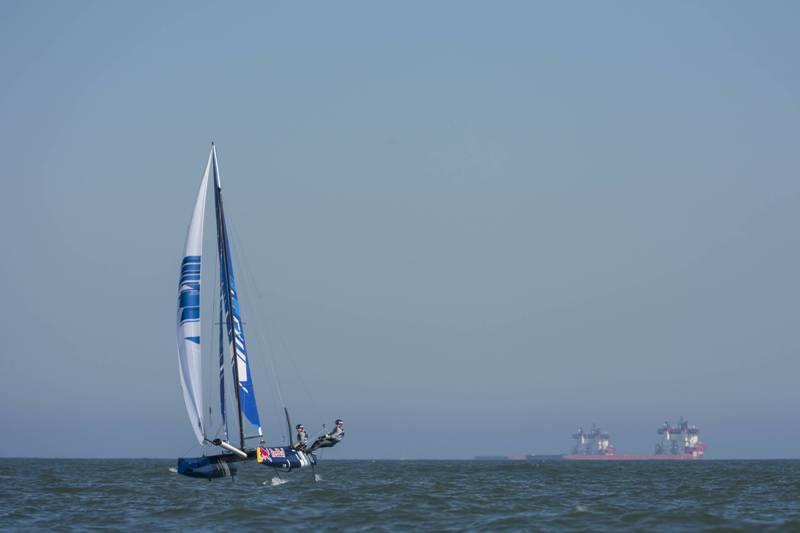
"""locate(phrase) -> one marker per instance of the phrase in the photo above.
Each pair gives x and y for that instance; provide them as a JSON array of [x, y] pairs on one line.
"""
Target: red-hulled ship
[[678, 443]]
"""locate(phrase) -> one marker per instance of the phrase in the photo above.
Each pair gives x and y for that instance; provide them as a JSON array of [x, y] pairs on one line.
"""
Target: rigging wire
[[212, 348], [280, 340], [258, 331], [189, 449], [215, 348]]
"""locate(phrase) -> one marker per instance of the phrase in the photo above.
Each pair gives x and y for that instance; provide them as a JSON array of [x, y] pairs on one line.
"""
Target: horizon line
[[473, 459]]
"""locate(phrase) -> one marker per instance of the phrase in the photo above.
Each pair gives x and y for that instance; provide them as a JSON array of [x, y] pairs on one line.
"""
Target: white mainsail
[[189, 352]]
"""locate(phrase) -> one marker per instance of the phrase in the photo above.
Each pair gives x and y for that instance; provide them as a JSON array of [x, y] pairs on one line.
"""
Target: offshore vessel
[[677, 443]]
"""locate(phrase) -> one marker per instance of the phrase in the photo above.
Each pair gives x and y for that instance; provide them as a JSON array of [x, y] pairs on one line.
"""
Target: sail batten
[[190, 362]]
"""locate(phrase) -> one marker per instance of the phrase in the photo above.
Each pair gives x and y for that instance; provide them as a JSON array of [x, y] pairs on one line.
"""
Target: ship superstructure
[[682, 439], [678, 443], [592, 442]]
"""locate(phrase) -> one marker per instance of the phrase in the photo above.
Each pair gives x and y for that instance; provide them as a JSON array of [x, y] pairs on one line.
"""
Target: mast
[[222, 369], [222, 239]]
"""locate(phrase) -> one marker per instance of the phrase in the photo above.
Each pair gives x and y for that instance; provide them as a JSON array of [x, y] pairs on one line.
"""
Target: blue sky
[[469, 227]]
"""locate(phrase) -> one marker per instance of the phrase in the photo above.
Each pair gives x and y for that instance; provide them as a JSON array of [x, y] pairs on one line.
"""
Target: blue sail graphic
[[247, 397], [233, 318]]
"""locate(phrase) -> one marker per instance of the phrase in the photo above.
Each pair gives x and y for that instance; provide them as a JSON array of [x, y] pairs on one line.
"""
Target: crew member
[[329, 440], [302, 438]]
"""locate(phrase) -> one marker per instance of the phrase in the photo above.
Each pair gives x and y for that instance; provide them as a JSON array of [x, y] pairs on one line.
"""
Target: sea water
[[144, 494]]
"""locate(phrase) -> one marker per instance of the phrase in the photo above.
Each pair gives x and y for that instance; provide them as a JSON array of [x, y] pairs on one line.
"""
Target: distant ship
[[678, 443]]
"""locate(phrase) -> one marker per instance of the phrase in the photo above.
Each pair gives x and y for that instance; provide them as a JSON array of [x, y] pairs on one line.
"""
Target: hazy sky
[[469, 227]]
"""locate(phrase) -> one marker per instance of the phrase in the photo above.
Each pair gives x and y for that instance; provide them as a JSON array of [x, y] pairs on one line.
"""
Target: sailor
[[302, 438], [338, 432], [329, 440]]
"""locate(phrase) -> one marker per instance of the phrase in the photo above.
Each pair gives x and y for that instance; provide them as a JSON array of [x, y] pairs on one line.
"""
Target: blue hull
[[224, 465], [285, 458], [208, 467]]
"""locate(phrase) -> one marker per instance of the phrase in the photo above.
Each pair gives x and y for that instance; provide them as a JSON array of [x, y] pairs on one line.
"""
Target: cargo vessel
[[677, 443]]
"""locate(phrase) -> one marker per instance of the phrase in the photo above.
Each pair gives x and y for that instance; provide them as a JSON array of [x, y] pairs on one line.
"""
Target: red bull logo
[[267, 454], [277, 452], [270, 454], [262, 454]]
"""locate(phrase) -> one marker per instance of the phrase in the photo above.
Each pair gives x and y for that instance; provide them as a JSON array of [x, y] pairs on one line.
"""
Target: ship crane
[[680, 439], [595, 441]]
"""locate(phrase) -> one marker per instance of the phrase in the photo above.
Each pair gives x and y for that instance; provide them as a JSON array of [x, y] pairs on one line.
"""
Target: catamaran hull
[[285, 458], [209, 466]]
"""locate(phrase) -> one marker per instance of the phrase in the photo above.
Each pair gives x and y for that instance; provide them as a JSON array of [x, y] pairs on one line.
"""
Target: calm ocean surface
[[404, 495]]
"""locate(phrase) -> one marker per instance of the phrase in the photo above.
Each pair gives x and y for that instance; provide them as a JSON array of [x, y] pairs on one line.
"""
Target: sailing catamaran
[[221, 463]]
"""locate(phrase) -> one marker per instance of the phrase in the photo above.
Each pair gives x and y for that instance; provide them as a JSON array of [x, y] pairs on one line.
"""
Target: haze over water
[[465, 228]]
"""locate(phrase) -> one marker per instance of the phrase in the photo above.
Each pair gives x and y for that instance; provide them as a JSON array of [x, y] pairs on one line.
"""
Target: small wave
[[173, 470], [581, 508], [274, 482], [317, 477]]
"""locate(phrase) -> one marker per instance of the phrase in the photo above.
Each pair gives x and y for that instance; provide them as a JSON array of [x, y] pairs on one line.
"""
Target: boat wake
[[173, 470], [276, 481], [317, 477]]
